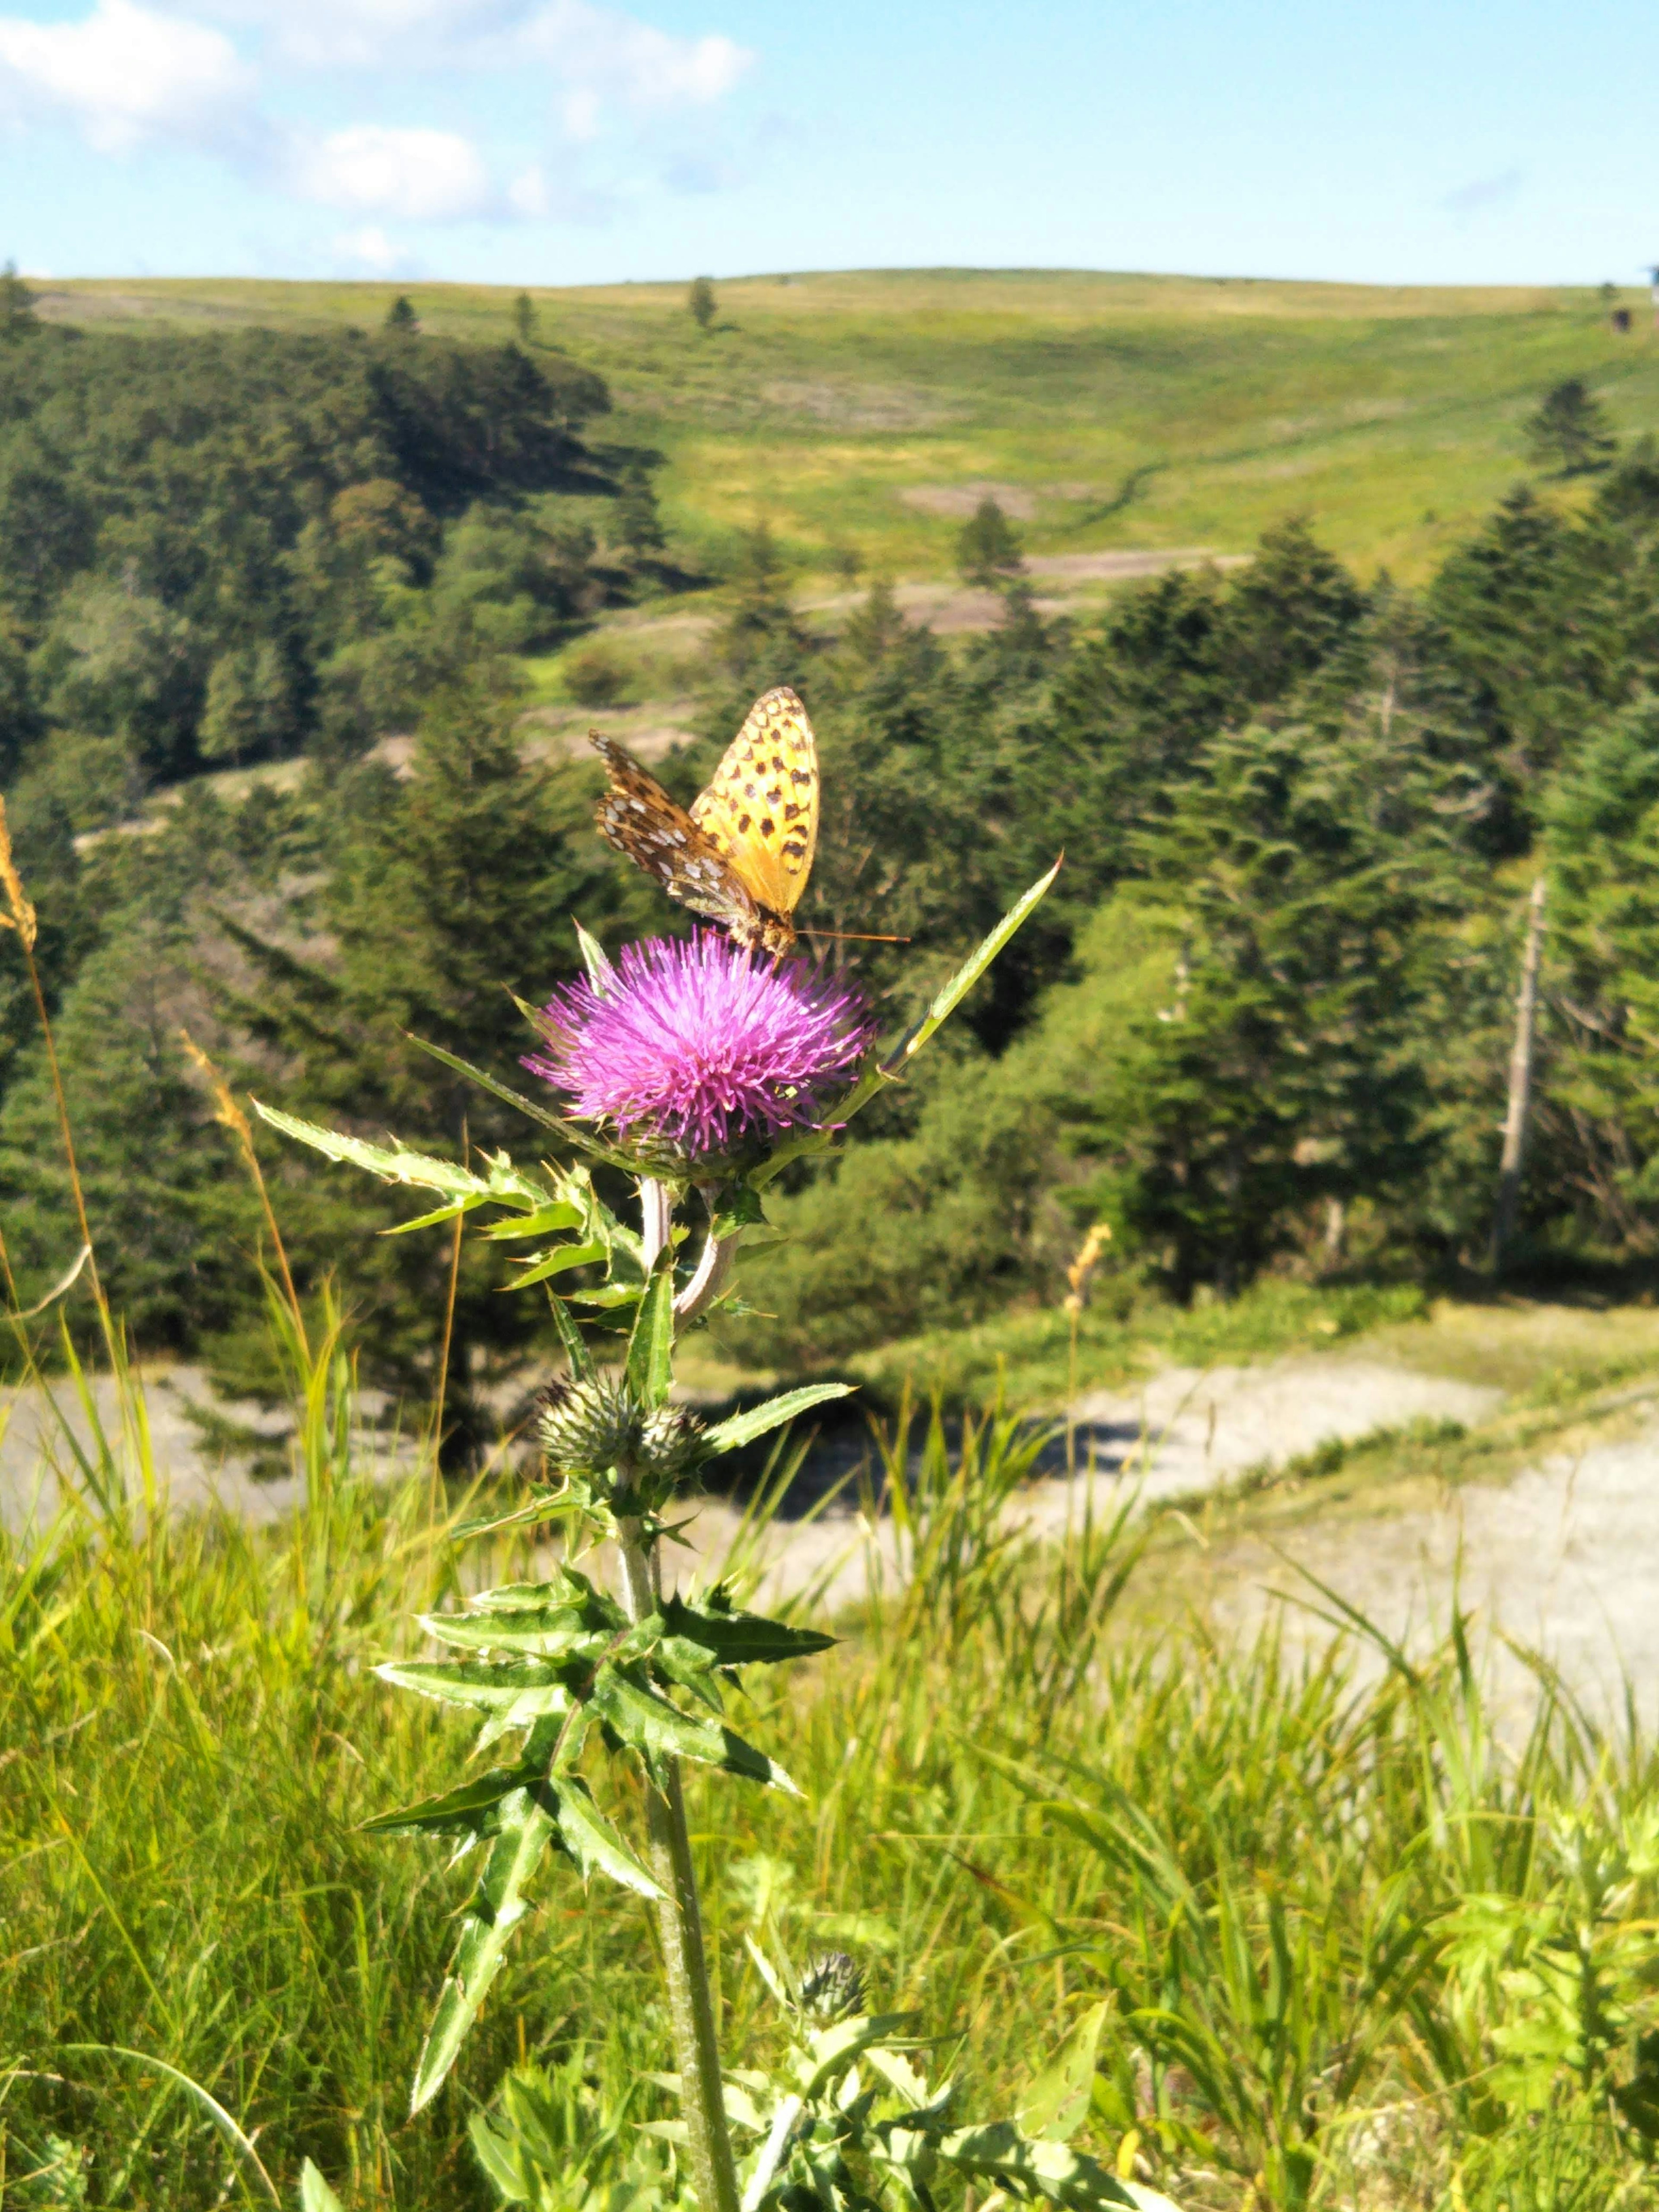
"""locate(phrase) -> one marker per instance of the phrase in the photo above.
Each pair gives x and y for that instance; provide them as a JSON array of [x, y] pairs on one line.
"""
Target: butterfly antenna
[[853, 936]]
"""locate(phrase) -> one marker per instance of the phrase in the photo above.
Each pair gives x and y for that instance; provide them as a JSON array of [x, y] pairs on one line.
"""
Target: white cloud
[[368, 248], [594, 55], [600, 53], [126, 75], [530, 195], [415, 176], [372, 34]]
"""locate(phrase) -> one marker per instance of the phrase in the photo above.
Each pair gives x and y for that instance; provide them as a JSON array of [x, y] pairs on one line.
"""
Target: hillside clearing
[[868, 410]]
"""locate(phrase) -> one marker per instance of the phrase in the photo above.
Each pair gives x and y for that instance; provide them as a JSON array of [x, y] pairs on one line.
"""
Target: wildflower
[[695, 1046]]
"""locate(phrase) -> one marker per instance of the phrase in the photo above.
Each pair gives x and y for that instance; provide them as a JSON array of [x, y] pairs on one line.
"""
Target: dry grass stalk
[[21, 917]]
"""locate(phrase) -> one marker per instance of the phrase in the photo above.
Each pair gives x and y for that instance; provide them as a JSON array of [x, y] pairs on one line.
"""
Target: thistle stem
[[679, 1918]]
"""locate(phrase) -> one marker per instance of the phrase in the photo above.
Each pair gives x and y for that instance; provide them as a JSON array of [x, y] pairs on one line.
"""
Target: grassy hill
[[859, 412]]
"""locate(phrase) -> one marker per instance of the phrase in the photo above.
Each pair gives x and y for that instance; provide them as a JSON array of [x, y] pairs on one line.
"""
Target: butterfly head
[[776, 935]]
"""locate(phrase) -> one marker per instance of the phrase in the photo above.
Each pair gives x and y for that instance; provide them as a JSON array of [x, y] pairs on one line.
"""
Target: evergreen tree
[[988, 551], [1570, 433], [524, 319], [20, 721], [401, 318], [1601, 1105], [1527, 606], [639, 520], [447, 893], [250, 707], [1307, 892], [172, 1222], [17, 317], [701, 304], [1285, 614]]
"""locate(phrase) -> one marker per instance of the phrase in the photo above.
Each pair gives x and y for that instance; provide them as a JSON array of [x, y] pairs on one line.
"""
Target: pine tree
[[988, 551], [401, 318], [524, 319], [448, 892], [17, 317], [1570, 433], [639, 522], [1309, 892], [1601, 1109], [172, 1219], [701, 304], [1285, 614]]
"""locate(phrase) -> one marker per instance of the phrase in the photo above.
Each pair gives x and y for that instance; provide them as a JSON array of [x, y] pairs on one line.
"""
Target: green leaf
[[438, 1213], [546, 1221], [743, 1428], [1056, 2104], [517, 1693], [833, 2049], [651, 1347], [739, 1207], [494, 2149], [575, 1349], [467, 1811], [315, 2195], [653, 1727], [555, 1632], [538, 1509], [496, 1908], [559, 1262], [999, 2151], [808, 1143], [600, 973], [396, 1162], [531, 1107], [594, 1843], [740, 1639], [967, 974]]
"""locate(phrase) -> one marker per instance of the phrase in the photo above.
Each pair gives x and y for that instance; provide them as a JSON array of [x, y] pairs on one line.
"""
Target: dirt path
[[1187, 1431], [1565, 1556]]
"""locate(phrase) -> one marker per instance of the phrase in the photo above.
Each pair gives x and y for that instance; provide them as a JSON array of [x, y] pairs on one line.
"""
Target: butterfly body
[[742, 855]]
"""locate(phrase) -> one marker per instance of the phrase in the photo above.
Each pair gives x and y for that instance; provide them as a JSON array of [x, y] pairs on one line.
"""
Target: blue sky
[[573, 142]]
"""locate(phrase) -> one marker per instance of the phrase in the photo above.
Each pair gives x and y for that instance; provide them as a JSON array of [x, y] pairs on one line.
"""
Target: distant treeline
[[1262, 1024], [220, 549]]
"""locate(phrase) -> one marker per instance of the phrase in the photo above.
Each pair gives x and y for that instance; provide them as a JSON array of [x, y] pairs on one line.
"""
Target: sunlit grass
[[1140, 411], [1011, 1784]]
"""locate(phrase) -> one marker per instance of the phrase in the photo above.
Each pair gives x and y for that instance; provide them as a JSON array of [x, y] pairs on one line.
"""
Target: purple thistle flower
[[694, 1044]]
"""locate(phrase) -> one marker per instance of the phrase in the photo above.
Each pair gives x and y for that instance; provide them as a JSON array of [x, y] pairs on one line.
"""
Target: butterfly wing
[[637, 816], [760, 810]]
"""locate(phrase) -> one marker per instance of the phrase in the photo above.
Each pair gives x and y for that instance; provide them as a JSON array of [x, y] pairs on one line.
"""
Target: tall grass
[[1314, 1890]]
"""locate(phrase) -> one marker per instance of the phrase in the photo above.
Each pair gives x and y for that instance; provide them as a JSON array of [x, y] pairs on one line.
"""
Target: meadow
[[847, 411], [1357, 1945]]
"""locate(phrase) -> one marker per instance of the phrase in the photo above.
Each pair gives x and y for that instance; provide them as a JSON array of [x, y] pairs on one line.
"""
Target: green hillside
[[1126, 411]]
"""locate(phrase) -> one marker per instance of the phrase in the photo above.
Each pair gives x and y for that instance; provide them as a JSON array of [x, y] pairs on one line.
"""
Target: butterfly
[[743, 853]]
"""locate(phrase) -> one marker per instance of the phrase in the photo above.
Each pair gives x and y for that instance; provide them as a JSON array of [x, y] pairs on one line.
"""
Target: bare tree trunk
[[1521, 1061]]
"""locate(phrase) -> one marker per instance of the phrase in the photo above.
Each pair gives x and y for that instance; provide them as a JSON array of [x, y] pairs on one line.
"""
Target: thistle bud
[[832, 1987], [587, 1427], [671, 1441]]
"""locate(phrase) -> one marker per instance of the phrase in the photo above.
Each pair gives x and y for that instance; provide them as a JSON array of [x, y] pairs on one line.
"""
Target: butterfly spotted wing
[[742, 855], [760, 810], [637, 816]]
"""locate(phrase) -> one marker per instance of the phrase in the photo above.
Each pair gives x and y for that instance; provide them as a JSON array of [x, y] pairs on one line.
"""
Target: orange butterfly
[[743, 853]]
